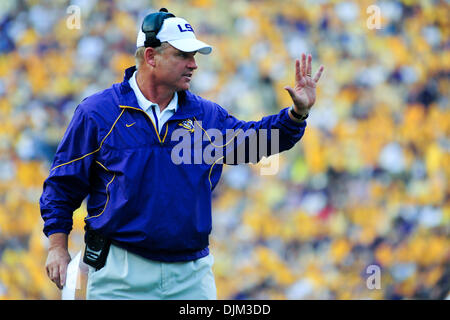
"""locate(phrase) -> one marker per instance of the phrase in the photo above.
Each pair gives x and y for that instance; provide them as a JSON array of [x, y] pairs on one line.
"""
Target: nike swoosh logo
[[129, 125]]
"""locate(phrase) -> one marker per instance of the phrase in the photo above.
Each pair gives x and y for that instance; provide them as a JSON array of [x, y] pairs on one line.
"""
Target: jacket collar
[[188, 107]]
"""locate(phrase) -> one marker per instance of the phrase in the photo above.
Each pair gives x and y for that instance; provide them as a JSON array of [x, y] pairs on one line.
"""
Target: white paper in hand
[[68, 291]]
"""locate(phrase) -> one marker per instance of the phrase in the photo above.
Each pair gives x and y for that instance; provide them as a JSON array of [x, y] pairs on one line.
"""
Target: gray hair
[[139, 54]]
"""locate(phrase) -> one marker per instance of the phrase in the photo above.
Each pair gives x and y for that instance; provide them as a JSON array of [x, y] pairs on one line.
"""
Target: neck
[[158, 94]]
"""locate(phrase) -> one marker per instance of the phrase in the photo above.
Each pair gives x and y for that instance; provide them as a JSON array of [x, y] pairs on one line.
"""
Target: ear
[[149, 56]]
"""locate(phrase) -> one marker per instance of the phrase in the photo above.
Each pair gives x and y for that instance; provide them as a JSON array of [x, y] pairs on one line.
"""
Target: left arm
[[249, 141], [289, 124]]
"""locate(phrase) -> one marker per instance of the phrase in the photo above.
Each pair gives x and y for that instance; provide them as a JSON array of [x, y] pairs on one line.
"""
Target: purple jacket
[[137, 194]]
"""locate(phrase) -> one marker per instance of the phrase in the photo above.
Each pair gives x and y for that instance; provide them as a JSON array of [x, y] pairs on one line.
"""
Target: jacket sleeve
[[248, 142], [68, 182]]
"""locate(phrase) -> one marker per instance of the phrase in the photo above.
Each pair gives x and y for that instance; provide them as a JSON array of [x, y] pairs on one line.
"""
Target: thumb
[[291, 92]]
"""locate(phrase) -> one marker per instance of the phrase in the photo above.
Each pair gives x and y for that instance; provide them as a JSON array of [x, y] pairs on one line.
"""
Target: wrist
[[298, 116], [58, 241]]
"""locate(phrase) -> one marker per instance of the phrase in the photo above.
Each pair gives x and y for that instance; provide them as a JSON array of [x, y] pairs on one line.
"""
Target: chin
[[185, 86]]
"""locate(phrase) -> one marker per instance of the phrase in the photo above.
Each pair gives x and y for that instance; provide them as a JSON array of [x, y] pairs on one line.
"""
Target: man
[[149, 218]]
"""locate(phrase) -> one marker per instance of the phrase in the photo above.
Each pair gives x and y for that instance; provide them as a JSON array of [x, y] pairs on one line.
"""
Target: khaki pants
[[129, 276]]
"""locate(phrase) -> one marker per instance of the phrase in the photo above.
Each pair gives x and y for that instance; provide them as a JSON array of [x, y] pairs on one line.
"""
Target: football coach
[[148, 218]]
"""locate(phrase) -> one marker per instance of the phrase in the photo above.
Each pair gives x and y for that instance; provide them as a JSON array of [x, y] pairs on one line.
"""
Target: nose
[[192, 64]]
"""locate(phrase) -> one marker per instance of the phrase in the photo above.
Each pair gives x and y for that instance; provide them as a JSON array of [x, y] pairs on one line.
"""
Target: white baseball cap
[[180, 34]]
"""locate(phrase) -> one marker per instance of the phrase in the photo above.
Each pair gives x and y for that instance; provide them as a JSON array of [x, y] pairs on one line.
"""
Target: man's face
[[174, 68]]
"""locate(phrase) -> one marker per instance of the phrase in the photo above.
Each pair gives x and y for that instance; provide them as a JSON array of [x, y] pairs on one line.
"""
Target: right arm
[[65, 189]]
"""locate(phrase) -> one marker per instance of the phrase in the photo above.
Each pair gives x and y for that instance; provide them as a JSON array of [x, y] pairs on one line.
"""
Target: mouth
[[188, 76]]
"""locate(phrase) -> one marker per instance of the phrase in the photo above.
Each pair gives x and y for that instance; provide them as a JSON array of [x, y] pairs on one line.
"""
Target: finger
[[318, 74], [308, 66], [50, 272], [57, 279], [54, 275], [298, 76], [62, 274], [303, 66]]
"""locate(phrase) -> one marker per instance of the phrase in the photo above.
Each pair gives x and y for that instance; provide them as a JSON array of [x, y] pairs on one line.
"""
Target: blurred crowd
[[362, 199]]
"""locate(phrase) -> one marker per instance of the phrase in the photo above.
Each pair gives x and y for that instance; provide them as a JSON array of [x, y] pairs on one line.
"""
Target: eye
[[186, 55]]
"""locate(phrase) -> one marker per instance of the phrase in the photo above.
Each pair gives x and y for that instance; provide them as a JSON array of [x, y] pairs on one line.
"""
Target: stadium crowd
[[368, 185]]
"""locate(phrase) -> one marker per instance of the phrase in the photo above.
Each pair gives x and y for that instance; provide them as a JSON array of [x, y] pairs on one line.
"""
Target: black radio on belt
[[97, 248]]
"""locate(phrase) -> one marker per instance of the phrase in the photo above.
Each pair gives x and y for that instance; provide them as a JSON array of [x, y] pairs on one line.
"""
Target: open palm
[[304, 93]]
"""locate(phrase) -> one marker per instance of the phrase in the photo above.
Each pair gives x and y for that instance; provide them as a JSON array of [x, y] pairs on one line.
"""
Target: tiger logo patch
[[188, 125]]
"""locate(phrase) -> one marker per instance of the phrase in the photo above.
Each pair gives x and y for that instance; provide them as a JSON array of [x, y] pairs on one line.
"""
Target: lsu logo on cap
[[187, 27], [188, 125]]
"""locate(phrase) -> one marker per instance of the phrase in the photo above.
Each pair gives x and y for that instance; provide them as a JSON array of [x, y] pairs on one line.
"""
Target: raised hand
[[304, 93]]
